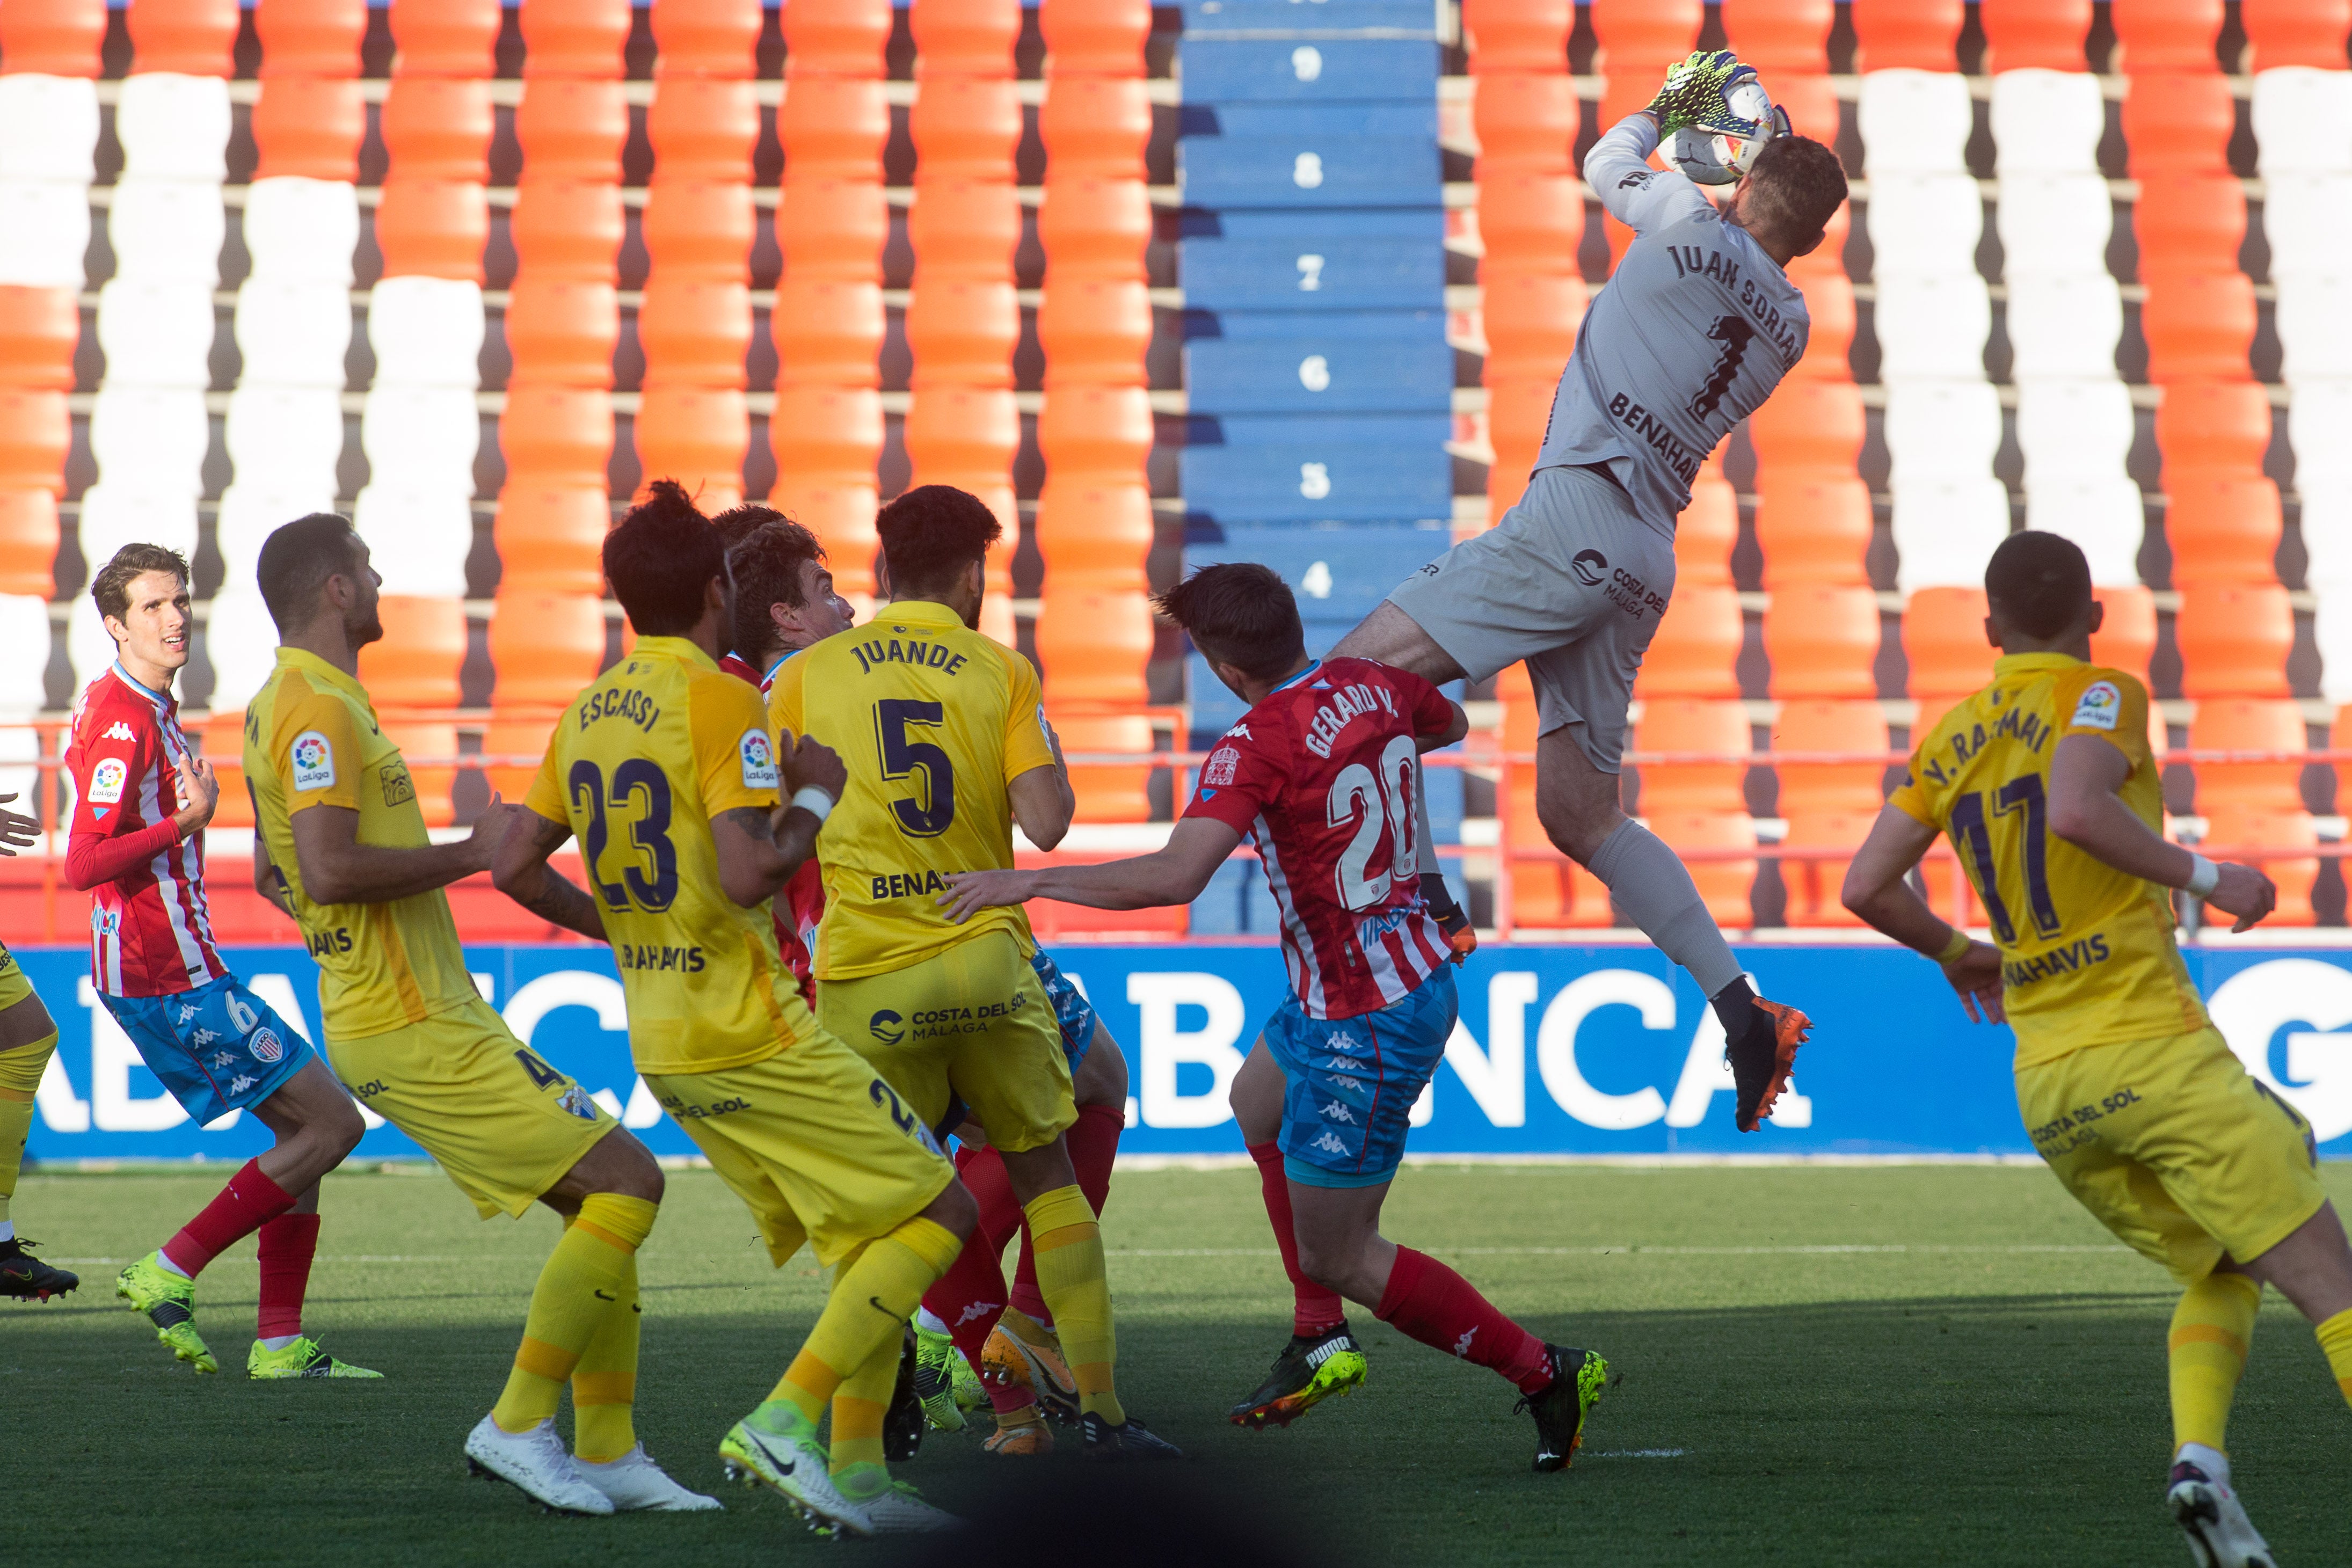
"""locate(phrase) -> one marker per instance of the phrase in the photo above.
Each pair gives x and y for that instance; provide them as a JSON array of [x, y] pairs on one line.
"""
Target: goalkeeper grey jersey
[[1695, 329]]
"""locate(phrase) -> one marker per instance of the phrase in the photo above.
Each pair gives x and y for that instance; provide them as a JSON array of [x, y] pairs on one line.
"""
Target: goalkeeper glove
[[1697, 91]]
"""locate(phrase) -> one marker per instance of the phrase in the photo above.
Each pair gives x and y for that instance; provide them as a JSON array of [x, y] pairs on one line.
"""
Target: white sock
[[930, 1321], [279, 1341], [7, 1230], [2212, 1461], [164, 1258], [1651, 885]]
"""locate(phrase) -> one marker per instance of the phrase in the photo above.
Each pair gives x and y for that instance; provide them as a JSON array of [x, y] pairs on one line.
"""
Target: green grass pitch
[[1901, 1365]]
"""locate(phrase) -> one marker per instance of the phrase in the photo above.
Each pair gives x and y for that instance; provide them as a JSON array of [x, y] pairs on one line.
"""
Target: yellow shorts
[[14, 986], [2175, 1147], [498, 1118], [816, 1146], [971, 1023]]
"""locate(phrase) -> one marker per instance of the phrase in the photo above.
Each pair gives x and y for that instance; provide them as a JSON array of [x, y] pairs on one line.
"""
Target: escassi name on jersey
[[624, 702], [643, 956], [1344, 704], [2016, 724], [877, 652]]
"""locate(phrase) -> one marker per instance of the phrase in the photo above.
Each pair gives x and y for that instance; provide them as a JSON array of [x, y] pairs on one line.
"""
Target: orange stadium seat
[[1826, 804], [2233, 639], [1944, 639], [192, 37], [1821, 639], [2296, 32], [53, 37], [2257, 805], [310, 127], [2125, 639], [1701, 805], [1907, 35], [1639, 39]]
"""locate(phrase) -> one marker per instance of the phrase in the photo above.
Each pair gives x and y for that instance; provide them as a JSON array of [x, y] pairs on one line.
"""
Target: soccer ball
[[1719, 155]]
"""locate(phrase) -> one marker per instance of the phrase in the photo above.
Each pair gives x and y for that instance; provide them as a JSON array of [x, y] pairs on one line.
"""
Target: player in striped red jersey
[[1323, 774], [142, 799]]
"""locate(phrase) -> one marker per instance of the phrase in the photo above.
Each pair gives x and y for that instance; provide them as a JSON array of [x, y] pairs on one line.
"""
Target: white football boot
[[536, 1463], [633, 1483], [795, 1463], [2209, 1514], [895, 1506]]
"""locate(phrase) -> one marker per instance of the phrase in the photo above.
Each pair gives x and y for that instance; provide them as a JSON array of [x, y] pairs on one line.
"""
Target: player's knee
[[1572, 824], [340, 1129], [625, 1167], [1328, 1267], [954, 1210]]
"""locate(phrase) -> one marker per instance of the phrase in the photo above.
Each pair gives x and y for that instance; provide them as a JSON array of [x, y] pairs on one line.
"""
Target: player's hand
[[1695, 90], [970, 891], [17, 831], [1976, 975], [2244, 893], [490, 829], [199, 790], [805, 763]]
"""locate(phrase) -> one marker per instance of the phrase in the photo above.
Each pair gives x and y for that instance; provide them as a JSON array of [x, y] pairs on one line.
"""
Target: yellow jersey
[[2088, 953], [311, 739], [933, 720], [639, 763]]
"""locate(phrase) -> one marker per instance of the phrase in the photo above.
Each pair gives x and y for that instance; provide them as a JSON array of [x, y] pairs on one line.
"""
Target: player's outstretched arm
[[520, 870], [1175, 874], [17, 831], [1618, 168], [1877, 890], [1043, 800], [336, 868], [2085, 772]]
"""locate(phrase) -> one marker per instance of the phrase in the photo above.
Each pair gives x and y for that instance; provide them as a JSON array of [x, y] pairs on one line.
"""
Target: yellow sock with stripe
[[1071, 1276], [577, 1289], [875, 1292], [2335, 1342], [20, 1078], [859, 1405], [2212, 1330], [604, 1384]]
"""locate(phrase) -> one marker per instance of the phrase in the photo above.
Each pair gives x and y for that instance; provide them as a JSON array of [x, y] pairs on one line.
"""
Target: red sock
[[1093, 1147], [1438, 1307], [970, 1296], [249, 1201], [286, 1244], [1316, 1311]]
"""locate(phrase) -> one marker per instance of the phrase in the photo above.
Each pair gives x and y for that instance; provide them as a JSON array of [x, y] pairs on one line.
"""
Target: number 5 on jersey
[[929, 812]]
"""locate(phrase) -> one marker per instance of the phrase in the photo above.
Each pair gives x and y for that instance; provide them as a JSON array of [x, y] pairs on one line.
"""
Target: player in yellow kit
[[664, 769], [944, 736], [27, 1039], [2047, 784], [341, 847]]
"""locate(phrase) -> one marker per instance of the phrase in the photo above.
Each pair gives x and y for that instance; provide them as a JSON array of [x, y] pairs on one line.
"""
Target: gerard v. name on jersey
[[1345, 702]]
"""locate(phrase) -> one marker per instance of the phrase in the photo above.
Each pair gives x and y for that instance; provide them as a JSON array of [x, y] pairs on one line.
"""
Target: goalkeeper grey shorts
[[1573, 581]]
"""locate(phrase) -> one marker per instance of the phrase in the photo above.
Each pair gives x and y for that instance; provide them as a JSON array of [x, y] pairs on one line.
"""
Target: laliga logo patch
[[2100, 706], [1589, 566], [314, 761], [759, 760], [887, 1027], [264, 1046], [107, 780]]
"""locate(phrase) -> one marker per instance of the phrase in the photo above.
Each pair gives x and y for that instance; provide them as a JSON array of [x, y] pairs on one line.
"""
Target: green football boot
[[777, 1446], [937, 1362], [1306, 1373], [303, 1358], [1559, 1408], [169, 1300]]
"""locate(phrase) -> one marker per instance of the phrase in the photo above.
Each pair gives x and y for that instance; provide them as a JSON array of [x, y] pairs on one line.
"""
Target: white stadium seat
[[2047, 121], [1913, 121]]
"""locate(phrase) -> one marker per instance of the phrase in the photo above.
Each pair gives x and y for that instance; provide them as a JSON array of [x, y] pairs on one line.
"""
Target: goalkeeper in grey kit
[[1696, 327]]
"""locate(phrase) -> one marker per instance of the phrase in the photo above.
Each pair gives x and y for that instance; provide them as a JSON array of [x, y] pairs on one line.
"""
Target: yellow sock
[[1072, 1279], [604, 1384], [20, 1077], [859, 1405], [874, 1294], [2336, 1341], [577, 1289], [2213, 1329]]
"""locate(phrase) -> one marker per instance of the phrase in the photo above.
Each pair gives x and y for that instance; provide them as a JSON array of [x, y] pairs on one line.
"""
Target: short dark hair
[[1239, 613], [737, 523], [660, 558], [1795, 187], [932, 533], [296, 560], [767, 564], [2038, 584], [111, 587]]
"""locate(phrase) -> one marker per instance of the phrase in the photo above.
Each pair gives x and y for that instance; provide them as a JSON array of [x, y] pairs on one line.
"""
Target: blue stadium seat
[[1302, 155], [1336, 259], [1370, 468], [1244, 70], [1338, 574], [1382, 18], [1369, 361]]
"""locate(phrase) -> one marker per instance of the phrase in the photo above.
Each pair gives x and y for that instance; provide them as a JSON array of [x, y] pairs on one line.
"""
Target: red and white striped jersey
[[1321, 776], [150, 930]]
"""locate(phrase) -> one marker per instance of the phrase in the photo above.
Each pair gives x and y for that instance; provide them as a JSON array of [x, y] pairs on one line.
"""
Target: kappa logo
[[979, 1310], [117, 730], [1336, 1112], [241, 1083], [1352, 1085], [887, 1027], [1329, 1144], [1341, 1040], [221, 1059], [266, 1046], [203, 1037], [1461, 1345], [1590, 566], [187, 1013], [1242, 730]]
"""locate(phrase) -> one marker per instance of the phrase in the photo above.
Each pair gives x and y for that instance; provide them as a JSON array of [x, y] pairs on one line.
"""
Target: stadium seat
[[2047, 115], [1787, 40], [2292, 95], [1826, 804], [2125, 639], [1639, 39], [1944, 640], [2105, 516], [2198, 325], [1701, 805], [2257, 804], [1945, 529], [1914, 117], [1822, 639], [1814, 525], [2233, 639]]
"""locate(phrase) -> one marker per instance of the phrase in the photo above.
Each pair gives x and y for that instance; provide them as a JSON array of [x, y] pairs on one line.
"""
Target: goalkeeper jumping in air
[[1698, 324]]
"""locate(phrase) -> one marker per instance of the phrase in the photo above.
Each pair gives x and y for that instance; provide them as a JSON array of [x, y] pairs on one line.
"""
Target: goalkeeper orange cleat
[[1762, 1056]]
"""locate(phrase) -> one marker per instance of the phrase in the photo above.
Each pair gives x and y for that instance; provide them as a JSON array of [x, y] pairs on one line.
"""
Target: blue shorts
[[1071, 1008], [217, 1048], [1353, 1082]]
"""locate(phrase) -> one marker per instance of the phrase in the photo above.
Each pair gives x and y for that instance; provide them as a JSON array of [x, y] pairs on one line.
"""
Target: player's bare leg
[[1324, 1358], [1072, 1276], [29, 1038], [1340, 1247], [316, 1125], [1394, 638], [2312, 1268]]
